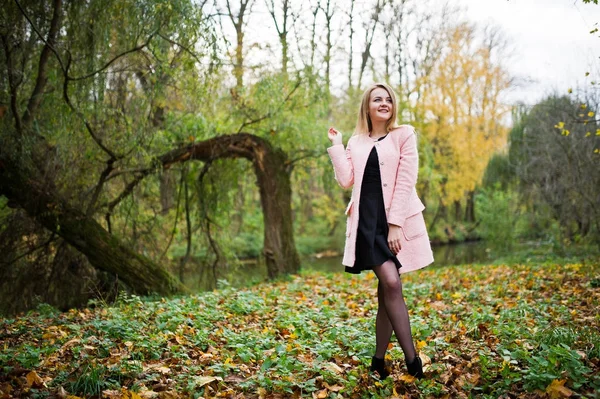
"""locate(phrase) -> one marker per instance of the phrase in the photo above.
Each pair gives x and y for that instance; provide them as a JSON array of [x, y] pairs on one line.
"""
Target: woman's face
[[380, 105]]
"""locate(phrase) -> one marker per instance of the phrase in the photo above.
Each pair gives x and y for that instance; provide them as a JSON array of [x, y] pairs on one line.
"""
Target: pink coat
[[399, 165]]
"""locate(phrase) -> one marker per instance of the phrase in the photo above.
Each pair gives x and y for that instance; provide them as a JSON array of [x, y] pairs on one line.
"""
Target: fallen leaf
[[202, 380], [322, 394], [34, 380], [149, 394], [557, 389], [130, 395], [334, 388], [334, 368]]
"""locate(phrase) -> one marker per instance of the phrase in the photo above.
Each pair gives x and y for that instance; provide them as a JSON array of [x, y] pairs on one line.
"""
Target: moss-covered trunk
[[41, 202], [273, 174], [276, 199]]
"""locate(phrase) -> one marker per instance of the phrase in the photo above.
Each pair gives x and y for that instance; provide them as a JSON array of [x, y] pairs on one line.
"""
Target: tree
[[558, 166], [464, 113], [117, 79], [238, 19]]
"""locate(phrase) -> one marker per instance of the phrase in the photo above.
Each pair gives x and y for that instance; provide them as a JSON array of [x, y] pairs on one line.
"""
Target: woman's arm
[[341, 159]]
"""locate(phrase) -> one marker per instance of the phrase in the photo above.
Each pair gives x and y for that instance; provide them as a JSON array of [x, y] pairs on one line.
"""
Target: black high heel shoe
[[415, 368], [378, 365]]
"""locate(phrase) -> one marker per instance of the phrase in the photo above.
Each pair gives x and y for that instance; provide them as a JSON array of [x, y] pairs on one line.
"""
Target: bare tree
[[370, 26], [283, 28], [329, 11], [238, 19]]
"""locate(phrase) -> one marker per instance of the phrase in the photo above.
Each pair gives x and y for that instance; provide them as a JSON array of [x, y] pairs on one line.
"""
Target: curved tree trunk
[[273, 170], [40, 200]]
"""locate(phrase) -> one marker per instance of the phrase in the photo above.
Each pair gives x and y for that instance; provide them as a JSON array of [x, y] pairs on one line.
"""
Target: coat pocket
[[414, 226], [348, 213], [348, 210]]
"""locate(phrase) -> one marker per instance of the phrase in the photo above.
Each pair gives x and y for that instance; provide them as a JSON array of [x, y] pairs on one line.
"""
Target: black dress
[[371, 240]]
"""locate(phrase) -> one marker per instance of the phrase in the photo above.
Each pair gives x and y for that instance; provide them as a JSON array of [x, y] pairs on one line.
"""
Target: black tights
[[392, 314]]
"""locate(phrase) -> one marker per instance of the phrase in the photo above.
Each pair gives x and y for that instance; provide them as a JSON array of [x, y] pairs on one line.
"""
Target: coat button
[[381, 163], [387, 209], [384, 184]]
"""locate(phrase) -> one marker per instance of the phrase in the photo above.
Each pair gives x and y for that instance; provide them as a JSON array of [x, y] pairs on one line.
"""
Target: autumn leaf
[[202, 380], [130, 395], [34, 380], [558, 390]]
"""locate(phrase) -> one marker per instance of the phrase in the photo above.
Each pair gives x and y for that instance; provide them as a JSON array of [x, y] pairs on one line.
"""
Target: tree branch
[[12, 85], [42, 78], [114, 59]]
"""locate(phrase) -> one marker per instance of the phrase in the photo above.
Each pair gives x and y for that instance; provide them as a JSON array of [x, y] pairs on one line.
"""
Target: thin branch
[[307, 154], [88, 126], [114, 59], [188, 224], [176, 218], [186, 49], [99, 185], [12, 84], [32, 250], [42, 78], [269, 114]]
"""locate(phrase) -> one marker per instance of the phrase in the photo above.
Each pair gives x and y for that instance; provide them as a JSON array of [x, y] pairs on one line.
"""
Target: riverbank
[[491, 330]]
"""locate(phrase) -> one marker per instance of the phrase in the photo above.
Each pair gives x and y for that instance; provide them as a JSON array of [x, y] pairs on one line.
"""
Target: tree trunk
[[273, 175], [39, 199], [470, 208]]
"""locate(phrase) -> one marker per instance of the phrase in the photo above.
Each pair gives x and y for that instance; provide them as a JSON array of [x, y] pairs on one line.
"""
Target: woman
[[385, 229]]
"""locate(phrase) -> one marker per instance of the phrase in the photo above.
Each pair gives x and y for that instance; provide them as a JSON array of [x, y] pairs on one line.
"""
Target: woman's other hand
[[334, 136], [394, 238]]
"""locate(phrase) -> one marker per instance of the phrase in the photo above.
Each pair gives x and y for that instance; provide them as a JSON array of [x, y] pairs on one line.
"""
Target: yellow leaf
[[591, 114], [557, 390], [409, 379], [130, 395], [34, 380], [202, 380], [421, 345]]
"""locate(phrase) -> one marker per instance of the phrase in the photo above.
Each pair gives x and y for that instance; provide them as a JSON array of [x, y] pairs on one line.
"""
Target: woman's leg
[[383, 326], [395, 308]]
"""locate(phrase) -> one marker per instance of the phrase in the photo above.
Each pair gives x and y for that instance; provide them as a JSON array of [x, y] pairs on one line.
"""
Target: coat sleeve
[[342, 164], [406, 179]]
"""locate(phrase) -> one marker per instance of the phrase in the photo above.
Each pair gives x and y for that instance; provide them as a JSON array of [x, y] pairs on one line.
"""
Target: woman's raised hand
[[334, 136]]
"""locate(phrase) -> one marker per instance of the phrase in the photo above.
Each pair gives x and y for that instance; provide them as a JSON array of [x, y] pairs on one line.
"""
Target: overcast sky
[[551, 38]]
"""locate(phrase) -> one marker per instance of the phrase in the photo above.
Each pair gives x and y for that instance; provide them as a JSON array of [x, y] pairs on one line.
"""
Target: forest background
[[151, 146]]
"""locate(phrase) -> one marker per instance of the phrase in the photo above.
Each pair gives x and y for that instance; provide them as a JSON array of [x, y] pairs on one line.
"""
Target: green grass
[[489, 330]]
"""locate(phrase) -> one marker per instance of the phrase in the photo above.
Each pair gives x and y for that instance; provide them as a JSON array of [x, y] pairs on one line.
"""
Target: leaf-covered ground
[[485, 331]]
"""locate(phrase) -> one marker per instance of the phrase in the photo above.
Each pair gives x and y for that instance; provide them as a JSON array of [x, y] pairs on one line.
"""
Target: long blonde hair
[[364, 124]]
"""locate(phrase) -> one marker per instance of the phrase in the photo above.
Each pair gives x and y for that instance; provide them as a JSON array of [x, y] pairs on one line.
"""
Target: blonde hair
[[364, 124]]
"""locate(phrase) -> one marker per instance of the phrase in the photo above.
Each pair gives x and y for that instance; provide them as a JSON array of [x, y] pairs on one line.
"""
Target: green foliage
[[552, 149], [498, 213], [510, 329]]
